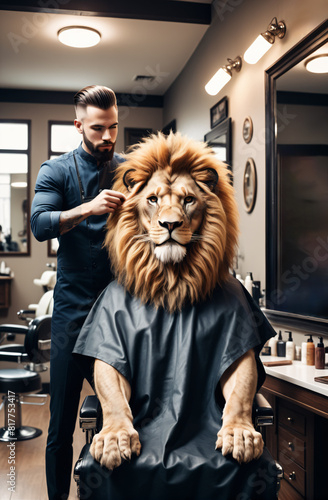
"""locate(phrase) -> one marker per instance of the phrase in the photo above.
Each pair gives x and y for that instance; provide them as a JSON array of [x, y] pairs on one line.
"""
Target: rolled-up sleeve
[[47, 204]]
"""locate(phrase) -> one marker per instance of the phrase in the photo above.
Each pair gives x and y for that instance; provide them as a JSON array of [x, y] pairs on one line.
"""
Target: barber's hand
[[107, 201]]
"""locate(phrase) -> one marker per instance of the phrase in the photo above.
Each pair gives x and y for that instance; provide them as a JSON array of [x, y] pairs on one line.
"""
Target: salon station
[[248, 77]]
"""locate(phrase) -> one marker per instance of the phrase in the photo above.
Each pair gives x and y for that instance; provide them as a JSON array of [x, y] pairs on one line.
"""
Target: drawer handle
[[292, 476], [290, 419], [291, 446]]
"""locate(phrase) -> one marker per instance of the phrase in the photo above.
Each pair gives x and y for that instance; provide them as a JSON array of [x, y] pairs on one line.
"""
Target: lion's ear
[[128, 180], [211, 179]]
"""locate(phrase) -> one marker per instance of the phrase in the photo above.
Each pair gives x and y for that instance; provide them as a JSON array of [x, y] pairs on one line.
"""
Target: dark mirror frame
[[28, 197], [223, 128], [303, 49]]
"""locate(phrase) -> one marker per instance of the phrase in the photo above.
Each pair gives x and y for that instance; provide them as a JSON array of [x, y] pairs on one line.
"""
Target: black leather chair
[[16, 384], [91, 422]]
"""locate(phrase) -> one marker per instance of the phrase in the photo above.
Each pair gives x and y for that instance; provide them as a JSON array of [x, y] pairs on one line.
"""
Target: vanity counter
[[300, 430], [298, 374]]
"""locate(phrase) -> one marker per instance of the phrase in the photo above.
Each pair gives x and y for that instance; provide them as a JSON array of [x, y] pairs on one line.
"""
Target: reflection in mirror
[[219, 138], [14, 187], [297, 187]]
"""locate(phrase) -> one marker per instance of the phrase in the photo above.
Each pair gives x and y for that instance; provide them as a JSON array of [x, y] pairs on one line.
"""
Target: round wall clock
[[250, 185], [248, 129]]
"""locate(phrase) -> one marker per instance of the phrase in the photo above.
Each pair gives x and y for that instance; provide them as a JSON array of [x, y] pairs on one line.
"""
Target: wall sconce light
[[265, 41], [317, 64], [79, 36], [222, 77]]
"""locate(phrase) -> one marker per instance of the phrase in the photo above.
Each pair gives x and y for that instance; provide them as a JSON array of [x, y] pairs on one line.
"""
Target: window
[[63, 137], [14, 192]]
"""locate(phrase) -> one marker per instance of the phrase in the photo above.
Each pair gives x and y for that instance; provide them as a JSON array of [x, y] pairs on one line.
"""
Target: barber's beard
[[98, 154]]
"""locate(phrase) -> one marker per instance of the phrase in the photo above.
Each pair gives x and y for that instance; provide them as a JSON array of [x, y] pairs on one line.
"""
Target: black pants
[[66, 381]]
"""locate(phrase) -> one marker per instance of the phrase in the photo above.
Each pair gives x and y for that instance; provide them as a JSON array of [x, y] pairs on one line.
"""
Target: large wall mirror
[[297, 186], [14, 187]]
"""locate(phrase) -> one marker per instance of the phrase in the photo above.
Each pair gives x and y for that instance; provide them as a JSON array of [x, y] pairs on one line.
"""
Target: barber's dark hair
[[95, 95]]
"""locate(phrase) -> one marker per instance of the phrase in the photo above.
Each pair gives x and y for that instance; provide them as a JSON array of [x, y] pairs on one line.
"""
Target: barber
[[73, 198]]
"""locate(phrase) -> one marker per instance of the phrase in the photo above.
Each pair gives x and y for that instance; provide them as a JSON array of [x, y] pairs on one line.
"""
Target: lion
[[178, 212], [172, 245]]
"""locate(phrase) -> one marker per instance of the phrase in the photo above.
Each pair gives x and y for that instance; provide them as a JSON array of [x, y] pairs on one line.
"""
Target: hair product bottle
[[303, 352], [273, 344], [320, 355], [310, 351], [290, 347], [249, 283], [239, 278], [281, 346], [256, 291]]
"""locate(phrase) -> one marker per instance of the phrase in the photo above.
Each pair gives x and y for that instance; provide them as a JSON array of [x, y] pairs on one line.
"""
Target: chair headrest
[[47, 279]]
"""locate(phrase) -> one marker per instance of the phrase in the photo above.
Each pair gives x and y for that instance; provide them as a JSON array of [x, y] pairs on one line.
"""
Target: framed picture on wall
[[219, 112], [250, 185], [248, 129], [134, 135]]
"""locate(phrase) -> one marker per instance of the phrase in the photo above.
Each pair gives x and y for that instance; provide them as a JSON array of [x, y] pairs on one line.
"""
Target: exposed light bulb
[[79, 36], [218, 81], [257, 50]]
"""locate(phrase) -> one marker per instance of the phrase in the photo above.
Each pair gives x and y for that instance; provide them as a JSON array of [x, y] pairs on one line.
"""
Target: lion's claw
[[243, 442], [109, 447]]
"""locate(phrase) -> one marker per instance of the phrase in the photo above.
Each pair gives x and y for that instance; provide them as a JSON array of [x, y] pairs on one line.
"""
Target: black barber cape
[[174, 363]]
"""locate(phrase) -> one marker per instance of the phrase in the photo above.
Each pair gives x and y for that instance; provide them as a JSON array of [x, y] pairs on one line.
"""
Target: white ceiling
[[31, 57]]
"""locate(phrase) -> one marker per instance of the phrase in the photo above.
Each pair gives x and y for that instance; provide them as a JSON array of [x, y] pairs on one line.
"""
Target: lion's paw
[[110, 446], [242, 441]]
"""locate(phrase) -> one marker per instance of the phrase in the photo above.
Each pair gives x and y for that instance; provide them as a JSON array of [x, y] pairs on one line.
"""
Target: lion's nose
[[170, 226]]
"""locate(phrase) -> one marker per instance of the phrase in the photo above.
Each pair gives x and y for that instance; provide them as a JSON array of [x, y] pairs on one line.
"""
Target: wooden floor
[[30, 456]]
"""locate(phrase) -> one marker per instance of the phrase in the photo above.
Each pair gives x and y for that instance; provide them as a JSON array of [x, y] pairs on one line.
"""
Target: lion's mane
[[208, 259]]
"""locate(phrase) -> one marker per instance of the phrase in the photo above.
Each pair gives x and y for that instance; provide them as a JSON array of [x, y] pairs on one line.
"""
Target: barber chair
[[21, 383], [45, 305], [89, 475]]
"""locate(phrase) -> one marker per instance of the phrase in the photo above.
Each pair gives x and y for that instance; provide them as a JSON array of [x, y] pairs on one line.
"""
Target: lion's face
[[171, 209], [174, 238]]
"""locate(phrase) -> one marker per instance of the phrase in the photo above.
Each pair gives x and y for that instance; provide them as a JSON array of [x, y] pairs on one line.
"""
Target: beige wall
[[23, 291]]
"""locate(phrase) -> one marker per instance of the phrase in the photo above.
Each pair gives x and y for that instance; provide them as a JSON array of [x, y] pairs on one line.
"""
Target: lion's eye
[[152, 200], [189, 199]]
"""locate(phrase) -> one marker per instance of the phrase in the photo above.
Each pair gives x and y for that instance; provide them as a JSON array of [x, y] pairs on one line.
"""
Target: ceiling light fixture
[[79, 36], [223, 76], [265, 41], [317, 64]]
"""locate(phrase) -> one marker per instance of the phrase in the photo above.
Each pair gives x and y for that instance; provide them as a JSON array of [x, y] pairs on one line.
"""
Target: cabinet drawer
[[292, 446], [292, 419], [287, 492], [293, 473]]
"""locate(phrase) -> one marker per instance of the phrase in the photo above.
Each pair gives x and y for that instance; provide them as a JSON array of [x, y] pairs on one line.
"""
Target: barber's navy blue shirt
[[83, 268]]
